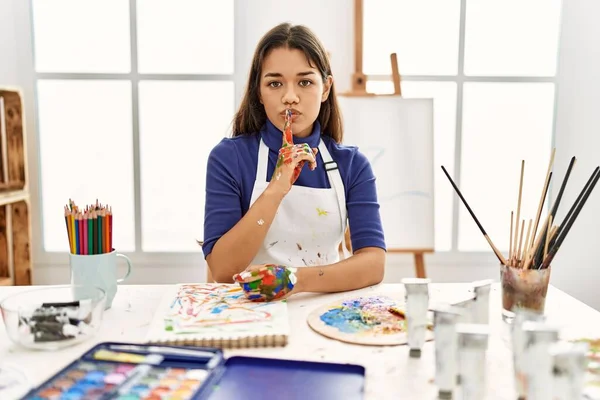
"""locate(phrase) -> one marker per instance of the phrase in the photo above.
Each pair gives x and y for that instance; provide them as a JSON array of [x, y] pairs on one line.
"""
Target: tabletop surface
[[390, 372]]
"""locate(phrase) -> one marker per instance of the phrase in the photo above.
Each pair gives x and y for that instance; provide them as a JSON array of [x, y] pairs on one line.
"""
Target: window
[[493, 91], [129, 106]]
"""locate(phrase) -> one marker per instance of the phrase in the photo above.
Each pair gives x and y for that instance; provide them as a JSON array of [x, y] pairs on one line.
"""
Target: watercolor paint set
[[128, 371]]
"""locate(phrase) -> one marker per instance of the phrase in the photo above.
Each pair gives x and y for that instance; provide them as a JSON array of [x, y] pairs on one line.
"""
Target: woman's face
[[288, 81]]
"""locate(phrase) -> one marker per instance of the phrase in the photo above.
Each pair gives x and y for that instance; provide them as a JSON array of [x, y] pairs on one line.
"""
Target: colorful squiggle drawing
[[201, 306]]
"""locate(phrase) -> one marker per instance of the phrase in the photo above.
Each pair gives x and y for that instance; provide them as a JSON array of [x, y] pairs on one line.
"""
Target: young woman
[[258, 212]]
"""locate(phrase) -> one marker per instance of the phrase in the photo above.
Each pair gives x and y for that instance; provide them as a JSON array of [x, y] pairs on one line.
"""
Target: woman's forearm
[[364, 268], [234, 251]]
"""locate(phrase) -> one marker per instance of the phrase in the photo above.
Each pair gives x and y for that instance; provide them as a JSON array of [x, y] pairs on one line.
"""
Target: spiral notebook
[[217, 315]]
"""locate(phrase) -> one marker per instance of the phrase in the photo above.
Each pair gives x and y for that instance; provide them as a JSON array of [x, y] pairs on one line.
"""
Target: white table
[[390, 373]]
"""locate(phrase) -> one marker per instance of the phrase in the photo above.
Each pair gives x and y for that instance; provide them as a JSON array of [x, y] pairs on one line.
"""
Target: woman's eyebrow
[[278, 75]]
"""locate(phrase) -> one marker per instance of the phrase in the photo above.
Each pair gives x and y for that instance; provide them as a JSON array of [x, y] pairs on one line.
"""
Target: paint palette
[[131, 372]]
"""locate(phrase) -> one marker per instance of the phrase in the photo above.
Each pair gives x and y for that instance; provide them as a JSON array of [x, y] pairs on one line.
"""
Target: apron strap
[[263, 161], [335, 179]]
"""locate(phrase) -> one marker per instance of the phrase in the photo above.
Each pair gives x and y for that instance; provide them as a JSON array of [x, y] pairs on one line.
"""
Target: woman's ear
[[326, 88]]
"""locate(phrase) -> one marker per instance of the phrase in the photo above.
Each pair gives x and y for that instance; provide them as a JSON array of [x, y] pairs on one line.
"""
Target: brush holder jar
[[523, 289]]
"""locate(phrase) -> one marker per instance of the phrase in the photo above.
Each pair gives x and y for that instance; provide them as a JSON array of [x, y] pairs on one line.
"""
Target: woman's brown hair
[[251, 115]]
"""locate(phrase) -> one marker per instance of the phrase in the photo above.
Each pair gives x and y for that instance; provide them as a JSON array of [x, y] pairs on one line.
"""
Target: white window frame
[[460, 79], [30, 77]]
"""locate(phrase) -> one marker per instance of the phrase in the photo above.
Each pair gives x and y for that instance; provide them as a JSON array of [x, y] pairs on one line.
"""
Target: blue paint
[[347, 320], [219, 308], [358, 315]]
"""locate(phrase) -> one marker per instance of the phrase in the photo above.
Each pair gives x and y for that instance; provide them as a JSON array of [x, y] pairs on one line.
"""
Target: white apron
[[309, 224]]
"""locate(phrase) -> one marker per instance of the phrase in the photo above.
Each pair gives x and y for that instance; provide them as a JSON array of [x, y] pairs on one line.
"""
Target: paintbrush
[[573, 213], [396, 311], [537, 257], [539, 247], [496, 251], [515, 260]]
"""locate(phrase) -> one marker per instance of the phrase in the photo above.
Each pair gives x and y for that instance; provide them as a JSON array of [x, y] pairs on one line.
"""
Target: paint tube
[[518, 345], [569, 365], [537, 362], [444, 327], [467, 306], [472, 347], [417, 303], [481, 302]]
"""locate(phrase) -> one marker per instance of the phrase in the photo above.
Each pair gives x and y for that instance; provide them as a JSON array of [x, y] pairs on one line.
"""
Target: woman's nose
[[290, 96]]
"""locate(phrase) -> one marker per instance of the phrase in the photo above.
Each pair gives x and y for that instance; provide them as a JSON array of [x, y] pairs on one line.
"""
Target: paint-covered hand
[[289, 165], [266, 282], [292, 158], [296, 156]]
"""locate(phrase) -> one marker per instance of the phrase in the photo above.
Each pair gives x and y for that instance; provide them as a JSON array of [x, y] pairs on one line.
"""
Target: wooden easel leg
[[420, 265]]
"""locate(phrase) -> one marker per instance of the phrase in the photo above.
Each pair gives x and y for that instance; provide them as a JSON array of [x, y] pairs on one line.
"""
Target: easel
[[359, 88]]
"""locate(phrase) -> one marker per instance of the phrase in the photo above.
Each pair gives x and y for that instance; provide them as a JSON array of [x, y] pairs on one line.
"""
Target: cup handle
[[128, 267]]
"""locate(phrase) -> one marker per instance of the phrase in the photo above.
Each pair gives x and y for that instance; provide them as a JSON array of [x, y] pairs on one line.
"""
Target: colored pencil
[[72, 223], [99, 220], [95, 232], [89, 228], [106, 245], [85, 234], [76, 235], [110, 228], [90, 233], [69, 234]]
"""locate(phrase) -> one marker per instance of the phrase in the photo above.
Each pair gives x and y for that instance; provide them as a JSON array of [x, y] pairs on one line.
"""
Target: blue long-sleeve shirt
[[231, 173]]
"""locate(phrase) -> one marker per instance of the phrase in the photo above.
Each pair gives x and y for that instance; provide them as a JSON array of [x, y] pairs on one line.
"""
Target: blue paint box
[[131, 371]]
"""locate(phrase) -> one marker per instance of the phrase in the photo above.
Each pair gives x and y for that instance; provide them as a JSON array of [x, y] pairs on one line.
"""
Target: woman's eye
[[305, 83], [275, 84]]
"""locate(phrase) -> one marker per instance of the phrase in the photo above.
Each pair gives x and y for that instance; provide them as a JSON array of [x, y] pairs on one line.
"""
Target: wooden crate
[[5, 270], [15, 225], [12, 141], [15, 253]]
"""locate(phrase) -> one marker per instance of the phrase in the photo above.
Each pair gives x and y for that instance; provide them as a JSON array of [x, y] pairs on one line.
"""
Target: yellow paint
[[322, 212]]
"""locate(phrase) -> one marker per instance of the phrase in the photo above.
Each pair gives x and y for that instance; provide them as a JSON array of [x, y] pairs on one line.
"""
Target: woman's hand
[[289, 165], [267, 282]]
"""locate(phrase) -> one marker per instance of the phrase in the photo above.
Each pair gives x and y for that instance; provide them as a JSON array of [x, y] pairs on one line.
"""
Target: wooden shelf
[[13, 196], [15, 222]]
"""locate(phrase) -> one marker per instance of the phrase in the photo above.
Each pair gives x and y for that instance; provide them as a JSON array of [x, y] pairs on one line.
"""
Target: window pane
[[81, 36], [512, 37], [182, 36], [444, 122], [423, 33], [180, 123], [503, 123], [86, 154]]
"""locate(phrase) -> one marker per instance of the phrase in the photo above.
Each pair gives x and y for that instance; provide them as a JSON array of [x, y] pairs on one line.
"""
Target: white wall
[[577, 265], [8, 45], [331, 20]]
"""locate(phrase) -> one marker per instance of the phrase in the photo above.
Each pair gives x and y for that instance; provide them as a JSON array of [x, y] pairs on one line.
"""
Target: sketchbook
[[217, 315]]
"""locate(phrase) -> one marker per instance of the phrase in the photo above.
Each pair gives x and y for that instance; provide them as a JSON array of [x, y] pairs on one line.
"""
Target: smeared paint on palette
[[374, 320]]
